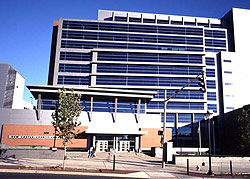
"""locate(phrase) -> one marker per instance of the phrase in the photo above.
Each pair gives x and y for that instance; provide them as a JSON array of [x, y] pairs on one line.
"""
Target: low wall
[[28, 153], [198, 160]]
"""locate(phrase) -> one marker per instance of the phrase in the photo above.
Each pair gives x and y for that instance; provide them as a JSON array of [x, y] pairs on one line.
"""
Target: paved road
[[49, 176]]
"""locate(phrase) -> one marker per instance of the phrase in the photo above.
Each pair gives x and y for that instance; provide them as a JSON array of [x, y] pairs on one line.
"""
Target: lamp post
[[164, 131], [202, 84], [209, 116]]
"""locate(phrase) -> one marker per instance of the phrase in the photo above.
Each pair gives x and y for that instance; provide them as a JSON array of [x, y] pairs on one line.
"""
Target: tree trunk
[[65, 155]]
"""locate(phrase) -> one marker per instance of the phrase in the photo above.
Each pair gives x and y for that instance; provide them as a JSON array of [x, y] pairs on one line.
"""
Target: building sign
[[31, 137]]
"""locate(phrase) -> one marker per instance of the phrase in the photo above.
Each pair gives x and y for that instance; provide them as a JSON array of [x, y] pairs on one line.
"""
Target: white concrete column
[[94, 139], [137, 144], [94, 68]]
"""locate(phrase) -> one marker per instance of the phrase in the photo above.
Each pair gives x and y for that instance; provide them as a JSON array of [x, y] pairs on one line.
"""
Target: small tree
[[65, 117]]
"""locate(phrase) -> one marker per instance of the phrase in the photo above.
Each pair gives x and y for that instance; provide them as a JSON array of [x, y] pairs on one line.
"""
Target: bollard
[[231, 167], [187, 166], [114, 163]]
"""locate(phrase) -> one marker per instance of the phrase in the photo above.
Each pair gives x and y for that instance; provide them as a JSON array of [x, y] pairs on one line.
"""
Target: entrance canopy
[[50, 92], [116, 132]]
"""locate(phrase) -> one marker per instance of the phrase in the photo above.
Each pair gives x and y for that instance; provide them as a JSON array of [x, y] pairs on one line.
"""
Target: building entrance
[[121, 143]]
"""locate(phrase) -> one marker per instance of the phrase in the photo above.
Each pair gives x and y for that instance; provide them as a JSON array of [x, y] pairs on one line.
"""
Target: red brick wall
[[152, 139], [37, 130]]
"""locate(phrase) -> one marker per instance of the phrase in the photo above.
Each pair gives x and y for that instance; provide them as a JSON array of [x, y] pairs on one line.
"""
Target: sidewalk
[[127, 165]]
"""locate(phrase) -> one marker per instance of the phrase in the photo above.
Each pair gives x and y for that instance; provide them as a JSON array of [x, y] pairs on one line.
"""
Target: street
[[48, 176]]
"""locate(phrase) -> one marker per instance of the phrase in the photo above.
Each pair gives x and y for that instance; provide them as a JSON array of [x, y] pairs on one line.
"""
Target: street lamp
[[209, 116], [164, 131]]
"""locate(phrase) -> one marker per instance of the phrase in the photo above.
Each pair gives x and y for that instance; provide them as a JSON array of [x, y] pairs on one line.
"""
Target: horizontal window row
[[159, 21], [143, 81], [185, 94], [131, 37], [227, 61], [215, 33], [211, 96], [74, 68], [211, 84], [182, 118], [148, 69], [73, 80], [210, 61], [132, 28], [215, 43], [149, 57], [228, 72], [107, 45], [210, 72], [100, 106], [176, 105], [215, 49], [74, 56], [212, 107]]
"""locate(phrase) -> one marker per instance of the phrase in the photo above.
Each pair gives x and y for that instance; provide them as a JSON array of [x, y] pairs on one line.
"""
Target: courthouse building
[[123, 63]]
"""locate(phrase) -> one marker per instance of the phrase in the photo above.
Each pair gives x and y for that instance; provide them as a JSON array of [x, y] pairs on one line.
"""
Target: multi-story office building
[[124, 62], [144, 52]]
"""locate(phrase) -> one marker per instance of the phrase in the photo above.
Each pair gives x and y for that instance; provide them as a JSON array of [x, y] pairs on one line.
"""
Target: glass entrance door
[[102, 145], [124, 146]]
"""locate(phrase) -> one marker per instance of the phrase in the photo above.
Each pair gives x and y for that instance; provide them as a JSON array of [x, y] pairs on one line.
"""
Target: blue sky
[[26, 25]]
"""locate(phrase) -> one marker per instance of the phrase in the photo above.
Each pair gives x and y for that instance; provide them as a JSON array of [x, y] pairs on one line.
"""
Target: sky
[[26, 25]]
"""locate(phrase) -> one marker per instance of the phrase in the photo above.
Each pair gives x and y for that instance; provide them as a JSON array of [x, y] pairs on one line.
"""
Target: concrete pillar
[[176, 127], [39, 107], [91, 107], [138, 110], [114, 143]]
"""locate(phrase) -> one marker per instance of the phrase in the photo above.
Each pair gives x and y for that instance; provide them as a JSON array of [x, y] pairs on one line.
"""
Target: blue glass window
[[148, 20], [162, 21], [202, 24], [185, 118], [227, 61], [198, 117], [211, 84], [122, 19], [211, 96], [74, 68], [144, 57], [210, 61], [176, 105], [73, 80], [215, 43], [215, 33], [210, 72], [212, 107], [74, 56], [186, 94], [228, 72]]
